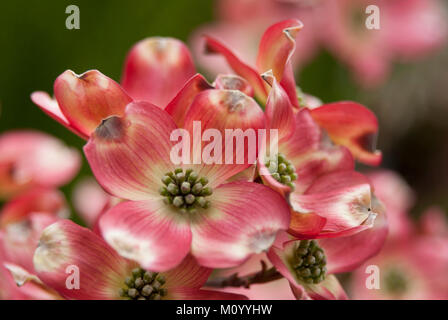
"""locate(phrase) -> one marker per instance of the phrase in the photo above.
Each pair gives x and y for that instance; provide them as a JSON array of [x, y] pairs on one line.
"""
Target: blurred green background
[[37, 47]]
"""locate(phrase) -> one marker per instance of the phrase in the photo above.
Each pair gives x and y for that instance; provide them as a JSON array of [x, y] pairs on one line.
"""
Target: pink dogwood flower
[[177, 209], [105, 275], [155, 70], [414, 260], [310, 265], [347, 123], [408, 30], [31, 158], [328, 198]]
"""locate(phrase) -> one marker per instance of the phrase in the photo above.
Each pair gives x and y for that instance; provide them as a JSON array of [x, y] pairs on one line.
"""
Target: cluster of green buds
[[185, 190], [143, 285], [282, 170], [309, 261]]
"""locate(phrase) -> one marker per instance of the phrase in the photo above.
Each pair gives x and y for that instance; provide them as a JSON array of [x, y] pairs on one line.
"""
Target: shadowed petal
[[89, 98], [276, 47], [156, 69]]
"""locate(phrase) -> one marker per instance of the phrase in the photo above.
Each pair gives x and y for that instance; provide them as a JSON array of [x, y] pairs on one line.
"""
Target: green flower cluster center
[[309, 262], [282, 170], [185, 190], [143, 285]]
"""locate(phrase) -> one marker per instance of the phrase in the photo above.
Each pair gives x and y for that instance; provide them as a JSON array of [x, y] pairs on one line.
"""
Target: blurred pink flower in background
[[414, 261], [90, 200], [409, 29], [240, 25], [22, 220], [31, 158]]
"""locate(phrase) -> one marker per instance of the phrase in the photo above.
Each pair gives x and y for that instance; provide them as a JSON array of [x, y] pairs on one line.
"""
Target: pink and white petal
[[277, 46], [242, 69], [233, 82], [343, 198], [238, 224], [147, 232], [130, 155], [186, 293], [346, 253], [156, 69], [232, 116], [50, 106], [352, 125], [279, 112], [279, 256], [67, 249], [276, 49], [87, 99], [19, 208], [329, 289], [187, 274], [179, 106], [311, 153]]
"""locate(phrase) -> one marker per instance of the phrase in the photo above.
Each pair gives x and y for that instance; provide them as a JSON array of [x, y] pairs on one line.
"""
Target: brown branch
[[262, 276]]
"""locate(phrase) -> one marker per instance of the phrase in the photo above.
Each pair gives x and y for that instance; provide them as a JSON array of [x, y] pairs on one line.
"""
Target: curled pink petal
[[89, 98]]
